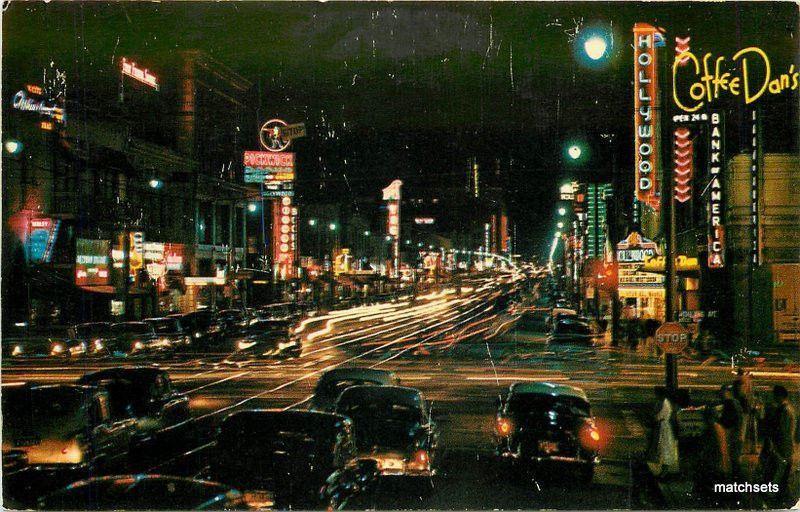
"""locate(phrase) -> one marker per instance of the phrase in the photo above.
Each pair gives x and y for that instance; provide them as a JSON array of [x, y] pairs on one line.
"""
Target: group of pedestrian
[[734, 427]]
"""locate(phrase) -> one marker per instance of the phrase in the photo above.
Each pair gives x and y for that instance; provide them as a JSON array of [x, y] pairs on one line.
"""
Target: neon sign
[[716, 226], [755, 251], [142, 75], [683, 153], [645, 113], [711, 83], [22, 101]]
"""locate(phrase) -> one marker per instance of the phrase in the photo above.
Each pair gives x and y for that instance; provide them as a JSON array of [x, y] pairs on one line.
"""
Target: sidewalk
[[678, 492]]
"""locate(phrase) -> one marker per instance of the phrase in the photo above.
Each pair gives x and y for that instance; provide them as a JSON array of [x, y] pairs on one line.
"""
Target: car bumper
[[548, 458]]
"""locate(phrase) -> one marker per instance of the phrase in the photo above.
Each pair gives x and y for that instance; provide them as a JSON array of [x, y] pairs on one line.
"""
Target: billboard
[[41, 238], [91, 262], [646, 107], [274, 171]]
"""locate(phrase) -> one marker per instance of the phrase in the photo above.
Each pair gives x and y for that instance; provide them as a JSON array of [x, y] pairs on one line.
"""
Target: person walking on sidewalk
[[743, 392], [778, 451], [711, 462], [731, 420], [663, 458]]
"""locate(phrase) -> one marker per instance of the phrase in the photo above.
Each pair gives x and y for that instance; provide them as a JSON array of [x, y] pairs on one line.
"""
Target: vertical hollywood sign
[[683, 153], [716, 221], [645, 119], [755, 251]]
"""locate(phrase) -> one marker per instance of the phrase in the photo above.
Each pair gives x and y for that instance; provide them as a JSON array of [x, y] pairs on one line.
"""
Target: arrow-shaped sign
[[683, 181], [681, 153]]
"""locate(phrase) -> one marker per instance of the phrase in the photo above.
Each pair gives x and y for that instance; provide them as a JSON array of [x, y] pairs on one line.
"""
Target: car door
[[111, 437]]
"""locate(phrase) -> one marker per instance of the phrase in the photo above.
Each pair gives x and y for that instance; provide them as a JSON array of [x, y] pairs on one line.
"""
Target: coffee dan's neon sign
[[713, 79]]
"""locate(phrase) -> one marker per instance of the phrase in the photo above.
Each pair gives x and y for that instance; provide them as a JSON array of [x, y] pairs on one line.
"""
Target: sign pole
[[670, 362]]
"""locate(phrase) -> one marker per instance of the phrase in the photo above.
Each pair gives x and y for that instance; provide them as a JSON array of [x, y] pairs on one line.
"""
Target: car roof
[[410, 397], [547, 388], [373, 374], [159, 319]]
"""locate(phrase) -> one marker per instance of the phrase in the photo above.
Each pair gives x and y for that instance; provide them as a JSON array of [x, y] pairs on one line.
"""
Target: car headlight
[[198, 334], [138, 345], [244, 345], [98, 344], [17, 350], [58, 348]]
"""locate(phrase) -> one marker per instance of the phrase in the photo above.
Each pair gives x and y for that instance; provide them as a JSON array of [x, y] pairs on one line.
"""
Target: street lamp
[[155, 183], [560, 225], [595, 47], [574, 152], [332, 226], [562, 211], [366, 233], [252, 207], [388, 238], [12, 146], [312, 222], [558, 234]]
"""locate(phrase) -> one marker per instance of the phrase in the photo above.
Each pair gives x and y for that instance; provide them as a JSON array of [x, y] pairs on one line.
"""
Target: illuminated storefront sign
[[25, 103], [646, 107], [392, 196], [716, 206], [683, 156], [284, 238], [274, 171], [711, 78], [631, 255], [755, 156], [41, 238], [683, 263], [424, 220], [91, 262], [139, 74]]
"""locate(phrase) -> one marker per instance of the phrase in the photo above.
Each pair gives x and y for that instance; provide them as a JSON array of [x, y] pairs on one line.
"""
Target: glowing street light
[[332, 226], [558, 234], [312, 222], [252, 207], [574, 151], [13, 146], [155, 183], [366, 233], [562, 211], [560, 225], [595, 47]]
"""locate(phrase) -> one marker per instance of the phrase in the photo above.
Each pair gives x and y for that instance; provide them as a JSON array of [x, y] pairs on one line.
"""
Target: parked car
[[63, 433], [291, 459], [393, 427], [128, 338], [571, 330], [281, 311], [28, 346], [333, 382], [267, 338], [144, 492], [202, 326], [231, 320], [143, 393], [540, 425], [170, 331]]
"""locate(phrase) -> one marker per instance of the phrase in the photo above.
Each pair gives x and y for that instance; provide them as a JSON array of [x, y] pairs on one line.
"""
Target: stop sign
[[672, 337]]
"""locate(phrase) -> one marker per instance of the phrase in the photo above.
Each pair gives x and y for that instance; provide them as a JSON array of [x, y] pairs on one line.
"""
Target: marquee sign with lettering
[[142, 75], [709, 78], [646, 108], [632, 252], [716, 190]]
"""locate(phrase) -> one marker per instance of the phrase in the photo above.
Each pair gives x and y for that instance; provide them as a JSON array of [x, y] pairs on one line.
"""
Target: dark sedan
[[297, 459], [267, 338], [540, 425]]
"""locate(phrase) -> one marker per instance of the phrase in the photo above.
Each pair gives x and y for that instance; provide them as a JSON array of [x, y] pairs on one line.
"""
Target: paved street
[[461, 378]]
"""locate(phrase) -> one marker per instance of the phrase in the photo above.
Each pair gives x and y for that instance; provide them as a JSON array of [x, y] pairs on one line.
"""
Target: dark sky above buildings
[[411, 90]]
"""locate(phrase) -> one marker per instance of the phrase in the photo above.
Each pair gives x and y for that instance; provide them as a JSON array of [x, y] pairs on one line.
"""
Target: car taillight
[[421, 457], [503, 426], [590, 436]]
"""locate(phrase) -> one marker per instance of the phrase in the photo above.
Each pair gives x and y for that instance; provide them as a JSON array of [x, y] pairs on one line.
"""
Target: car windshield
[[536, 405], [41, 410], [165, 325], [335, 387], [381, 410], [84, 331], [132, 328]]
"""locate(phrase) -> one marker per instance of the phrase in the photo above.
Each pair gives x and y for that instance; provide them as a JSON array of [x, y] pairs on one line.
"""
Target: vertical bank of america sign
[[646, 103]]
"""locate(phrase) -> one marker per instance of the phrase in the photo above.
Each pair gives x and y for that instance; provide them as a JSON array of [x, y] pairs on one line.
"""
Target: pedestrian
[[777, 454], [712, 459], [731, 419], [663, 460], [743, 392]]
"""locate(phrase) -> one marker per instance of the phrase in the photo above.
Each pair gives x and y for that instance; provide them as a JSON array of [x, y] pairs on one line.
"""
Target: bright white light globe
[[574, 152], [595, 47]]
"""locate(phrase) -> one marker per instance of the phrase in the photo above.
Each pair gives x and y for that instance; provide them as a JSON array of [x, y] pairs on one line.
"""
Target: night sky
[[411, 90]]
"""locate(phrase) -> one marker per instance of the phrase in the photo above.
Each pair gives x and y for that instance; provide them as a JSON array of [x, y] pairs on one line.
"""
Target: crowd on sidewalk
[[742, 440]]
